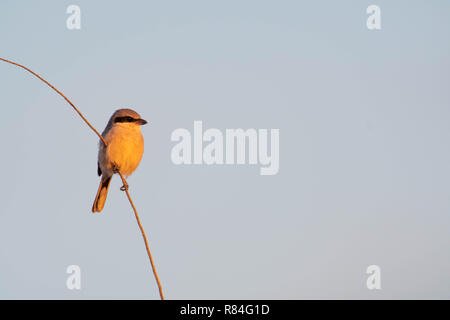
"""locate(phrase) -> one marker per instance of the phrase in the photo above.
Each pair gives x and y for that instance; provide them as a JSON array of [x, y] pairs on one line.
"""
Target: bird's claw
[[124, 187], [115, 169]]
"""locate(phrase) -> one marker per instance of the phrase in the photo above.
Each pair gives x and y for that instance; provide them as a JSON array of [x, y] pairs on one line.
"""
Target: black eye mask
[[124, 119]]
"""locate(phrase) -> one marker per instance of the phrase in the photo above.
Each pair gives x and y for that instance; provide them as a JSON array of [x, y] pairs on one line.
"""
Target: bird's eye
[[130, 119]]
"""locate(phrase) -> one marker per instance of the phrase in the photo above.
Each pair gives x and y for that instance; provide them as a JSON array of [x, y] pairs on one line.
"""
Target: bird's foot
[[116, 169], [125, 186]]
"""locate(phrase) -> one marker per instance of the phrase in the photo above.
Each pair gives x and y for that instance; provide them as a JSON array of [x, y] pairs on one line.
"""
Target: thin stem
[[123, 180], [125, 188], [60, 93]]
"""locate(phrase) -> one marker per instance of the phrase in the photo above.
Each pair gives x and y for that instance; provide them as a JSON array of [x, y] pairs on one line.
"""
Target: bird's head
[[127, 117]]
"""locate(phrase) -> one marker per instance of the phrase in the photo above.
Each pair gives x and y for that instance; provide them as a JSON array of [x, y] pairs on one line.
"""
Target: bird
[[122, 153]]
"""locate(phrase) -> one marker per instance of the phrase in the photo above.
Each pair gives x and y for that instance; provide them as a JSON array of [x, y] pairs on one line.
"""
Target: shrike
[[123, 151]]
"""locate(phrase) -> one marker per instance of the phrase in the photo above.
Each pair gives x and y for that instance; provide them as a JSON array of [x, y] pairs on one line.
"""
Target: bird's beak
[[141, 122]]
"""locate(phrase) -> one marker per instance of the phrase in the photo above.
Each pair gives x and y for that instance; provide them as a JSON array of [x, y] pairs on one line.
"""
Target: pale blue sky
[[364, 149]]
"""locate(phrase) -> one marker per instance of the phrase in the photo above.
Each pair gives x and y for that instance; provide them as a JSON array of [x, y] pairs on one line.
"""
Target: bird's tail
[[101, 194]]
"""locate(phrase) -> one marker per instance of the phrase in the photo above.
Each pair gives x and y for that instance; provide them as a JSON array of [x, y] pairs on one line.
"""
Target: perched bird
[[123, 151]]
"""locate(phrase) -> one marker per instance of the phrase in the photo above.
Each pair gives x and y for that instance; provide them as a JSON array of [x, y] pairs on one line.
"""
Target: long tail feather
[[102, 192]]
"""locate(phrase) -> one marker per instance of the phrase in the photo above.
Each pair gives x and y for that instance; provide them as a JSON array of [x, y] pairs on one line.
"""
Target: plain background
[[364, 149]]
